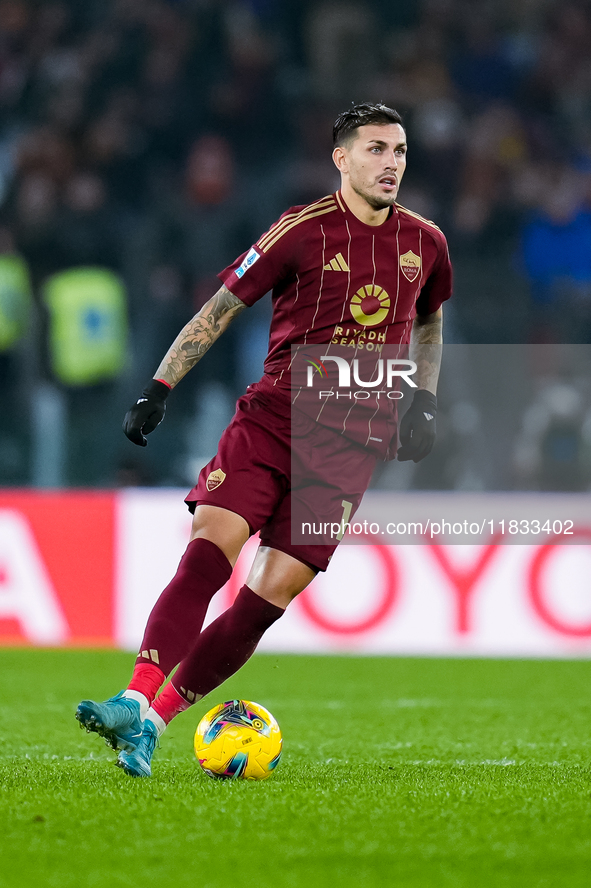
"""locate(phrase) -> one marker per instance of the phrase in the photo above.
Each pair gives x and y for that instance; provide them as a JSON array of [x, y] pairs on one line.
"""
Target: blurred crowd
[[154, 141]]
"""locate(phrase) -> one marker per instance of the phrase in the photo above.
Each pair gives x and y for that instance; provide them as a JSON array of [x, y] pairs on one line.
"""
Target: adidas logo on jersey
[[337, 264]]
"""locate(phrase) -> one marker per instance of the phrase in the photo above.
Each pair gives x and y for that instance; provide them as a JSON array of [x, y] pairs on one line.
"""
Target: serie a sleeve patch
[[250, 258]]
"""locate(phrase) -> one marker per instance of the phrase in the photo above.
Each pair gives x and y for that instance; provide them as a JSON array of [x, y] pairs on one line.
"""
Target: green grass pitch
[[396, 772]]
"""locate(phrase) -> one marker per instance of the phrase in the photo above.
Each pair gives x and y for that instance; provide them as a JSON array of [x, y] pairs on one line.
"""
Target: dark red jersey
[[337, 281]]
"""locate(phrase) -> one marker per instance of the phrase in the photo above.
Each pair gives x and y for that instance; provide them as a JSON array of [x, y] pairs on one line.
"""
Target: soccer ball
[[238, 739]]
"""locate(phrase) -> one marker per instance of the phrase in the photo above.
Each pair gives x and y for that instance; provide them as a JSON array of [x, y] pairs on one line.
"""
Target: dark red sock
[[221, 649], [178, 615], [147, 679]]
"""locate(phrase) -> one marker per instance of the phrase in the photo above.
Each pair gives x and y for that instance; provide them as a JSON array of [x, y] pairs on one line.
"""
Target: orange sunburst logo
[[370, 305]]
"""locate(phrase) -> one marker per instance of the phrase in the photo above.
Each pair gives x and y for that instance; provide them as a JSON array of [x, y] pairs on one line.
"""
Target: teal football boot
[[138, 762], [118, 720]]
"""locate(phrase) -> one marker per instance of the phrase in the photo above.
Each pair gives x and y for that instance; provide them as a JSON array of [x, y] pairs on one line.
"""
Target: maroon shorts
[[281, 472]]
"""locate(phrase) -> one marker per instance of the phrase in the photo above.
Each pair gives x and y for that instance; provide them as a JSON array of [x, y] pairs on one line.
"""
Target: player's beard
[[375, 202]]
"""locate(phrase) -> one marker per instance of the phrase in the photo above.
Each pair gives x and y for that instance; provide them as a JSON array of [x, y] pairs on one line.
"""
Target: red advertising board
[[84, 568], [57, 567]]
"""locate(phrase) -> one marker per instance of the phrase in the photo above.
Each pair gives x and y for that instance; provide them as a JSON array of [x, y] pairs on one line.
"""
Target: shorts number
[[347, 509]]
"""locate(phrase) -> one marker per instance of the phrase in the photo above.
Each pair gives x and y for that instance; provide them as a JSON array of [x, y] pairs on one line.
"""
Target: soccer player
[[352, 268]]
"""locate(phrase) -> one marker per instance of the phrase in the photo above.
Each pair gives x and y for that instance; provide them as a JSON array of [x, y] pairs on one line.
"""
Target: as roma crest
[[410, 264], [214, 479]]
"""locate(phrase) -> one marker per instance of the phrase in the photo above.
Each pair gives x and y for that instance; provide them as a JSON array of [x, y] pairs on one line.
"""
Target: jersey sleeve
[[438, 286], [257, 271]]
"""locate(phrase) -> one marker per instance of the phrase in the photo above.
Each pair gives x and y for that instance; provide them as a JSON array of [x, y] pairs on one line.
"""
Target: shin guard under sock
[[221, 649], [178, 615]]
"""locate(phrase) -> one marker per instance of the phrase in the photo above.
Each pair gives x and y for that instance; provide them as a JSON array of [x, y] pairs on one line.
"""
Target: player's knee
[[227, 530]]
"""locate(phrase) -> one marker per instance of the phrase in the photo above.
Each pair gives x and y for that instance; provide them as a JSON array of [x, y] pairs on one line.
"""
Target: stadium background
[[158, 140], [147, 143]]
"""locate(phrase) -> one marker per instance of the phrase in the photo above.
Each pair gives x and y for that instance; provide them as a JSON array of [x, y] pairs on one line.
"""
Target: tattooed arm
[[189, 347], [198, 336], [426, 347]]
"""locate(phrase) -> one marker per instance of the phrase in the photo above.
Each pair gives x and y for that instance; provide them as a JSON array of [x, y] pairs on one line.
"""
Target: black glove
[[417, 427], [147, 412]]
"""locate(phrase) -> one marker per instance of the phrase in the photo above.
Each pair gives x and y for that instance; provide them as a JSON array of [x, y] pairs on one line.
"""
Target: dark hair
[[360, 115]]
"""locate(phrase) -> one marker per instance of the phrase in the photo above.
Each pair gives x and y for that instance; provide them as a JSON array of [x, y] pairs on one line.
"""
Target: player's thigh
[[277, 576], [228, 530]]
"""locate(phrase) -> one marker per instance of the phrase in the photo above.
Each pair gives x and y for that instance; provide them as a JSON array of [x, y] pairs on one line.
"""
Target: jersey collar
[[350, 215]]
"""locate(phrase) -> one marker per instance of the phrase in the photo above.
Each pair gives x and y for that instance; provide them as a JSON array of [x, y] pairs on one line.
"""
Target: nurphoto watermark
[[511, 462]]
